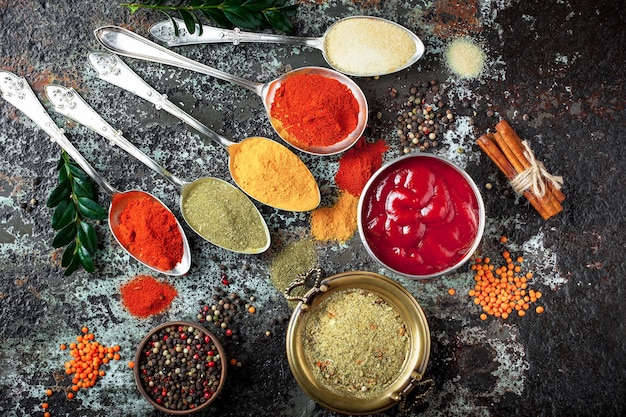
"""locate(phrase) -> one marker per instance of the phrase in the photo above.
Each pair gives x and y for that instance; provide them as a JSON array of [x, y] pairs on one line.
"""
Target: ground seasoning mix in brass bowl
[[358, 343], [180, 368]]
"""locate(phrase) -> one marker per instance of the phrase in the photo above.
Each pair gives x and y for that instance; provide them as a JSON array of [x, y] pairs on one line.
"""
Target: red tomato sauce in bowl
[[421, 216]]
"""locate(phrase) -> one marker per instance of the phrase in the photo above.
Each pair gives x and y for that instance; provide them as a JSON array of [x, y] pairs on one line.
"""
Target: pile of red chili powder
[[144, 296]]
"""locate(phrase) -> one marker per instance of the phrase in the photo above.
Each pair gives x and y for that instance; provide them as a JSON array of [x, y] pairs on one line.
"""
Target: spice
[[224, 216], [337, 222], [224, 312], [368, 46], [465, 58], [180, 367], [502, 290], [144, 296], [150, 232], [88, 357], [292, 260], [425, 119], [357, 165], [355, 343], [526, 175], [314, 110], [273, 175]]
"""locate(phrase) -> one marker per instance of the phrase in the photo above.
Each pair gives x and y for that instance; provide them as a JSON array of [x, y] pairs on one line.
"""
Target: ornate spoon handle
[[112, 69], [164, 31], [16, 91], [70, 104]]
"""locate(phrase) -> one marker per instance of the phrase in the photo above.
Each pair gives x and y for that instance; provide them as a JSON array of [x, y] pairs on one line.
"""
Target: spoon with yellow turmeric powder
[[264, 169]]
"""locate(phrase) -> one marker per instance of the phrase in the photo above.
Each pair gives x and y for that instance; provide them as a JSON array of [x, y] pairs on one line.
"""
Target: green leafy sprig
[[75, 200], [245, 14]]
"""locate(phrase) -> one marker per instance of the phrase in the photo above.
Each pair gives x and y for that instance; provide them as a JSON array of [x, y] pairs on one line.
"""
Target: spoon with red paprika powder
[[207, 192], [169, 255], [330, 110]]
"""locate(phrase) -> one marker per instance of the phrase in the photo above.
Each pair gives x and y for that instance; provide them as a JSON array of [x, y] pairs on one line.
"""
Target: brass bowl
[[410, 313], [140, 360]]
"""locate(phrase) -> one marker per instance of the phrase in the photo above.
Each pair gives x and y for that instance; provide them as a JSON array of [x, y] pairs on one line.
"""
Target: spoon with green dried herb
[[215, 209], [17, 92]]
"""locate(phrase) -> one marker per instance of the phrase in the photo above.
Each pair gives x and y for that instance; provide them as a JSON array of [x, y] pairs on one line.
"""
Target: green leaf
[[91, 209], [243, 18], [64, 214], [64, 236], [72, 267], [217, 16], [61, 192], [279, 21], [85, 258], [189, 19], [85, 188], [260, 5], [87, 237], [68, 254], [77, 171]]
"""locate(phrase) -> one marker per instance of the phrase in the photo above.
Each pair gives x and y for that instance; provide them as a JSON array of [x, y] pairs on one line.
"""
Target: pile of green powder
[[293, 259], [465, 58]]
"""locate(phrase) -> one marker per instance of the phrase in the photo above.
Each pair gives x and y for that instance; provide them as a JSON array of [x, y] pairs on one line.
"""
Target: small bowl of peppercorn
[[180, 367]]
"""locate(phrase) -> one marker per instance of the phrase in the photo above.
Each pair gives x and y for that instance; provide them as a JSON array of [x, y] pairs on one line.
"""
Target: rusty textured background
[[555, 70]]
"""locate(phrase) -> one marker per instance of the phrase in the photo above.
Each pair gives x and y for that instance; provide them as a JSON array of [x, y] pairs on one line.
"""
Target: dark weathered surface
[[555, 71]]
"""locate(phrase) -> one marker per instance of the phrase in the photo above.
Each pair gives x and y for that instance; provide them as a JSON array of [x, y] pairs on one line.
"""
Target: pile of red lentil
[[85, 367], [503, 290]]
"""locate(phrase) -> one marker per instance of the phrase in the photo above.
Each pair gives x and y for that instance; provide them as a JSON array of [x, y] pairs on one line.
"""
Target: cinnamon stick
[[489, 145], [517, 148], [507, 144]]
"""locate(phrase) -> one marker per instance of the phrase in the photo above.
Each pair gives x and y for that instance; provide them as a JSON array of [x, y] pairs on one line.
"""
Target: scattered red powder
[[144, 296], [357, 165]]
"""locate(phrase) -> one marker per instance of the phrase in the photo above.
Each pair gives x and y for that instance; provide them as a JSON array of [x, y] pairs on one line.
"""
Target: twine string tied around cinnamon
[[535, 177]]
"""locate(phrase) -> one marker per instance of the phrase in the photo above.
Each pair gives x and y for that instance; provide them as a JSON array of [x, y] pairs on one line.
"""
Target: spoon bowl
[[307, 195], [119, 201], [17, 92], [127, 43], [363, 43], [72, 105]]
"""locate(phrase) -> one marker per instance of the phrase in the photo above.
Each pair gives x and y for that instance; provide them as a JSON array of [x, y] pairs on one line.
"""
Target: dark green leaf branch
[[75, 200], [245, 14]]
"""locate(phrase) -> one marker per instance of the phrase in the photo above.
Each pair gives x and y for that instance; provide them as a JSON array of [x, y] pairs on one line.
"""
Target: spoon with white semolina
[[17, 92], [361, 46], [215, 209]]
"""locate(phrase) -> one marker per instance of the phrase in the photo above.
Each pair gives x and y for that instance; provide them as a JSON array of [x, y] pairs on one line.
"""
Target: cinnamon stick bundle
[[506, 149]]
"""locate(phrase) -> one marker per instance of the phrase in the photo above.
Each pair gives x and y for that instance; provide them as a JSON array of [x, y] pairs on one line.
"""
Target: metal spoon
[[70, 104], [165, 32], [17, 92], [111, 68], [124, 42]]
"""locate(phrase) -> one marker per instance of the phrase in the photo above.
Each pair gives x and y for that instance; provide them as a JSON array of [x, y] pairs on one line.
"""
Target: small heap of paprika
[[144, 296]]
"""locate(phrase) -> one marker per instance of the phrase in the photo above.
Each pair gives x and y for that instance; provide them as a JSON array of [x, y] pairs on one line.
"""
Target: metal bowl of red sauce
[[421, 216]]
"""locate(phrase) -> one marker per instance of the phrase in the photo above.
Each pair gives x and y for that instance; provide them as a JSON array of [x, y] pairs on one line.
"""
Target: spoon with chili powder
[[334, 105], [264, 169], [170, 256], [256, 236]]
